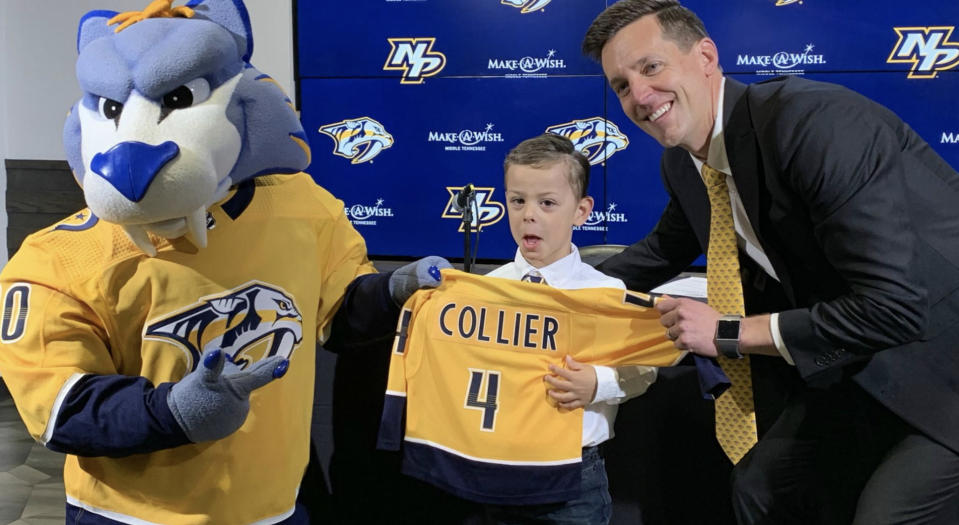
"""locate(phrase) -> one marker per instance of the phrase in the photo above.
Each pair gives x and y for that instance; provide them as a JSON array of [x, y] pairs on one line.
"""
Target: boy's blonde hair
[[547, 149]]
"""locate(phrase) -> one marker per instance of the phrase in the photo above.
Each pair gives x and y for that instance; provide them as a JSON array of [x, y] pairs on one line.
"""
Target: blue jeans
[[593, 506]]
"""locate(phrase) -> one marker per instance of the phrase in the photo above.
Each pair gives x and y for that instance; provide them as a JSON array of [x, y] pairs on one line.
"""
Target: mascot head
[[172, 115]]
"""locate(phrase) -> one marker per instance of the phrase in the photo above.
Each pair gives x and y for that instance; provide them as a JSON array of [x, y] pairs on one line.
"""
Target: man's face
[[668, 93], [543, 210]]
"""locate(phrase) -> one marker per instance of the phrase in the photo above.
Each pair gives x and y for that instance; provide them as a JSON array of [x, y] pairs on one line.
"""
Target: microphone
[[462, 198]]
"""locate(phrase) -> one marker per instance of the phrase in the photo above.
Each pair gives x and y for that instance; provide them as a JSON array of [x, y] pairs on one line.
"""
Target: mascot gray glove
[[212, 401], [424, 273]]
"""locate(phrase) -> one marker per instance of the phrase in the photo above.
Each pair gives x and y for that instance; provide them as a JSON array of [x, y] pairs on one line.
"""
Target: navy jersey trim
[[115, 416], [493, 483], [392, 423], [89, 221], [240, 200]]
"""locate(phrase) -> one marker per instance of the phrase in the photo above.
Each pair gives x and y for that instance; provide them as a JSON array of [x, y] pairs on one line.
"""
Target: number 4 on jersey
[[488, 405]]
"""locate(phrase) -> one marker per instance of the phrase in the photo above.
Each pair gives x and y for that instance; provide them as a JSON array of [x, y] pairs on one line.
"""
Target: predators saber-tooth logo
[[250, 322], [358, 139], [787, 2], [928, 49], [486, 212], [415, 58], [528, 6], [596, 138]]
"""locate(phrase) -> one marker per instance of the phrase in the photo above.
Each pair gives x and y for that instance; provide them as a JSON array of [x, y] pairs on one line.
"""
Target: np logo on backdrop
[[928, 49], [415, 58], [598, 219], [366, 215], [526, 6], [250, 322], [596, 138], [486, 213], [358, 139]]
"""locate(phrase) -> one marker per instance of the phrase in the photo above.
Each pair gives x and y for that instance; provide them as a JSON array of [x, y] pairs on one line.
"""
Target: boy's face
[[543, 210]]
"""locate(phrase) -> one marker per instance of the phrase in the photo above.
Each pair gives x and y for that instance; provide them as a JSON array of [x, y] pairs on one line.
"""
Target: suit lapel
[[745, 164], [741, 151]]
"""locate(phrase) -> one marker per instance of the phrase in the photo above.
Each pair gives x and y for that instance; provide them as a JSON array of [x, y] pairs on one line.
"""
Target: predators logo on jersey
[[250, 322]]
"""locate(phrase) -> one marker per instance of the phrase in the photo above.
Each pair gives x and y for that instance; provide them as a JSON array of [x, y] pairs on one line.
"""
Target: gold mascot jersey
[[85, 300], [467, 372]]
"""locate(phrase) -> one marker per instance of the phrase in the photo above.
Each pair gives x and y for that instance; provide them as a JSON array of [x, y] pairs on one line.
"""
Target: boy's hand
[[424, 273], [573, 386]]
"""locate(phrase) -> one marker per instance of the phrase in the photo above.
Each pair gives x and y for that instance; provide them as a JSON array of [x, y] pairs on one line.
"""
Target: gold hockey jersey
[[467, 371], [82, 301]]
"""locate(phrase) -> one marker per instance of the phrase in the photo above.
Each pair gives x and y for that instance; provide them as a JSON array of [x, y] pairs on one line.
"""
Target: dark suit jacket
[[860, 220]]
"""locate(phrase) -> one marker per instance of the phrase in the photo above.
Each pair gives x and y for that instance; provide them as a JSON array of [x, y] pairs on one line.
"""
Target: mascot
[[164, 338]]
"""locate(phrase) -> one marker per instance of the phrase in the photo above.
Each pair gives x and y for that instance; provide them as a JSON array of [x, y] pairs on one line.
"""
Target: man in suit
[[848, 243]]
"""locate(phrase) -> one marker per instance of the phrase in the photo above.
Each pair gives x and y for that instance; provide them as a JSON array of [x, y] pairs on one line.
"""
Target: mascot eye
[[193, 92], [110, 109]]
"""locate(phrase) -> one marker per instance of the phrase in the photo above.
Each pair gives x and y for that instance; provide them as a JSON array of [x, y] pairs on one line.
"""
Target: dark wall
[[39, 193]]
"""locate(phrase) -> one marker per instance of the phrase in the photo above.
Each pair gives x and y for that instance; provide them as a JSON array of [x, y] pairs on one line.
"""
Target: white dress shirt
[[745, 235], [613, 385]]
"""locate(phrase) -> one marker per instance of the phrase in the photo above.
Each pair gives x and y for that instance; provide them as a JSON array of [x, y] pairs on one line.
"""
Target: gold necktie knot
[[534, 276]]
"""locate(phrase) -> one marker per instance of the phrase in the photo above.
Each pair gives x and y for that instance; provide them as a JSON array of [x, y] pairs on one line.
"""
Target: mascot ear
[[232, 15], [93, 25]]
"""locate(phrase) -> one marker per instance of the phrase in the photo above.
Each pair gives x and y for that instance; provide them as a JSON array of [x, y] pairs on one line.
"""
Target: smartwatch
[[728, 328]]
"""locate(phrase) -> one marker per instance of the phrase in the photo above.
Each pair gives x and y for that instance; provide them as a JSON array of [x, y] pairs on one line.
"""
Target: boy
[[546, 181]]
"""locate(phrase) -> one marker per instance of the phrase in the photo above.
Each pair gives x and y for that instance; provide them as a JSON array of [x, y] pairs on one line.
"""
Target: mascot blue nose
[[130, 167]]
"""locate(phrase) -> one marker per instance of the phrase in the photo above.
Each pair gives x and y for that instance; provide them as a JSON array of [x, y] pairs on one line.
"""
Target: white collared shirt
[[745, 235], [613, 385]]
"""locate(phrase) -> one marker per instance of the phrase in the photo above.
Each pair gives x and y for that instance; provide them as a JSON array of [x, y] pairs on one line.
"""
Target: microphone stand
[[467, 227]]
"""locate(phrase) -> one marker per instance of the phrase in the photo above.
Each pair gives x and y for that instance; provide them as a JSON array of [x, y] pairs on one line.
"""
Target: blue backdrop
[[406, 101]]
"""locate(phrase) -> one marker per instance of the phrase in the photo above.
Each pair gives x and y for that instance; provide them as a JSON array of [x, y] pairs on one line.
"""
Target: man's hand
[[213, 400], [424, 273], [573, 386], [690, 324]]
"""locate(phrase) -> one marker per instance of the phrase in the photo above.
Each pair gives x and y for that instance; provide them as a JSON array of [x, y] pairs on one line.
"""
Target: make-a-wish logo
[[787, 2], [250, 322], [949, 137], [783, 62], [927, 49], [365, 215], [358, 139], [485, 211], [527, 6], [598, 220], [527, 67], [596, 138], [465, 140], [415, 58]]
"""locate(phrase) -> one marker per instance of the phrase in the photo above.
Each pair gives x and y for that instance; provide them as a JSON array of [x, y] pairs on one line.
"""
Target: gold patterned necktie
[[735, 413]]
